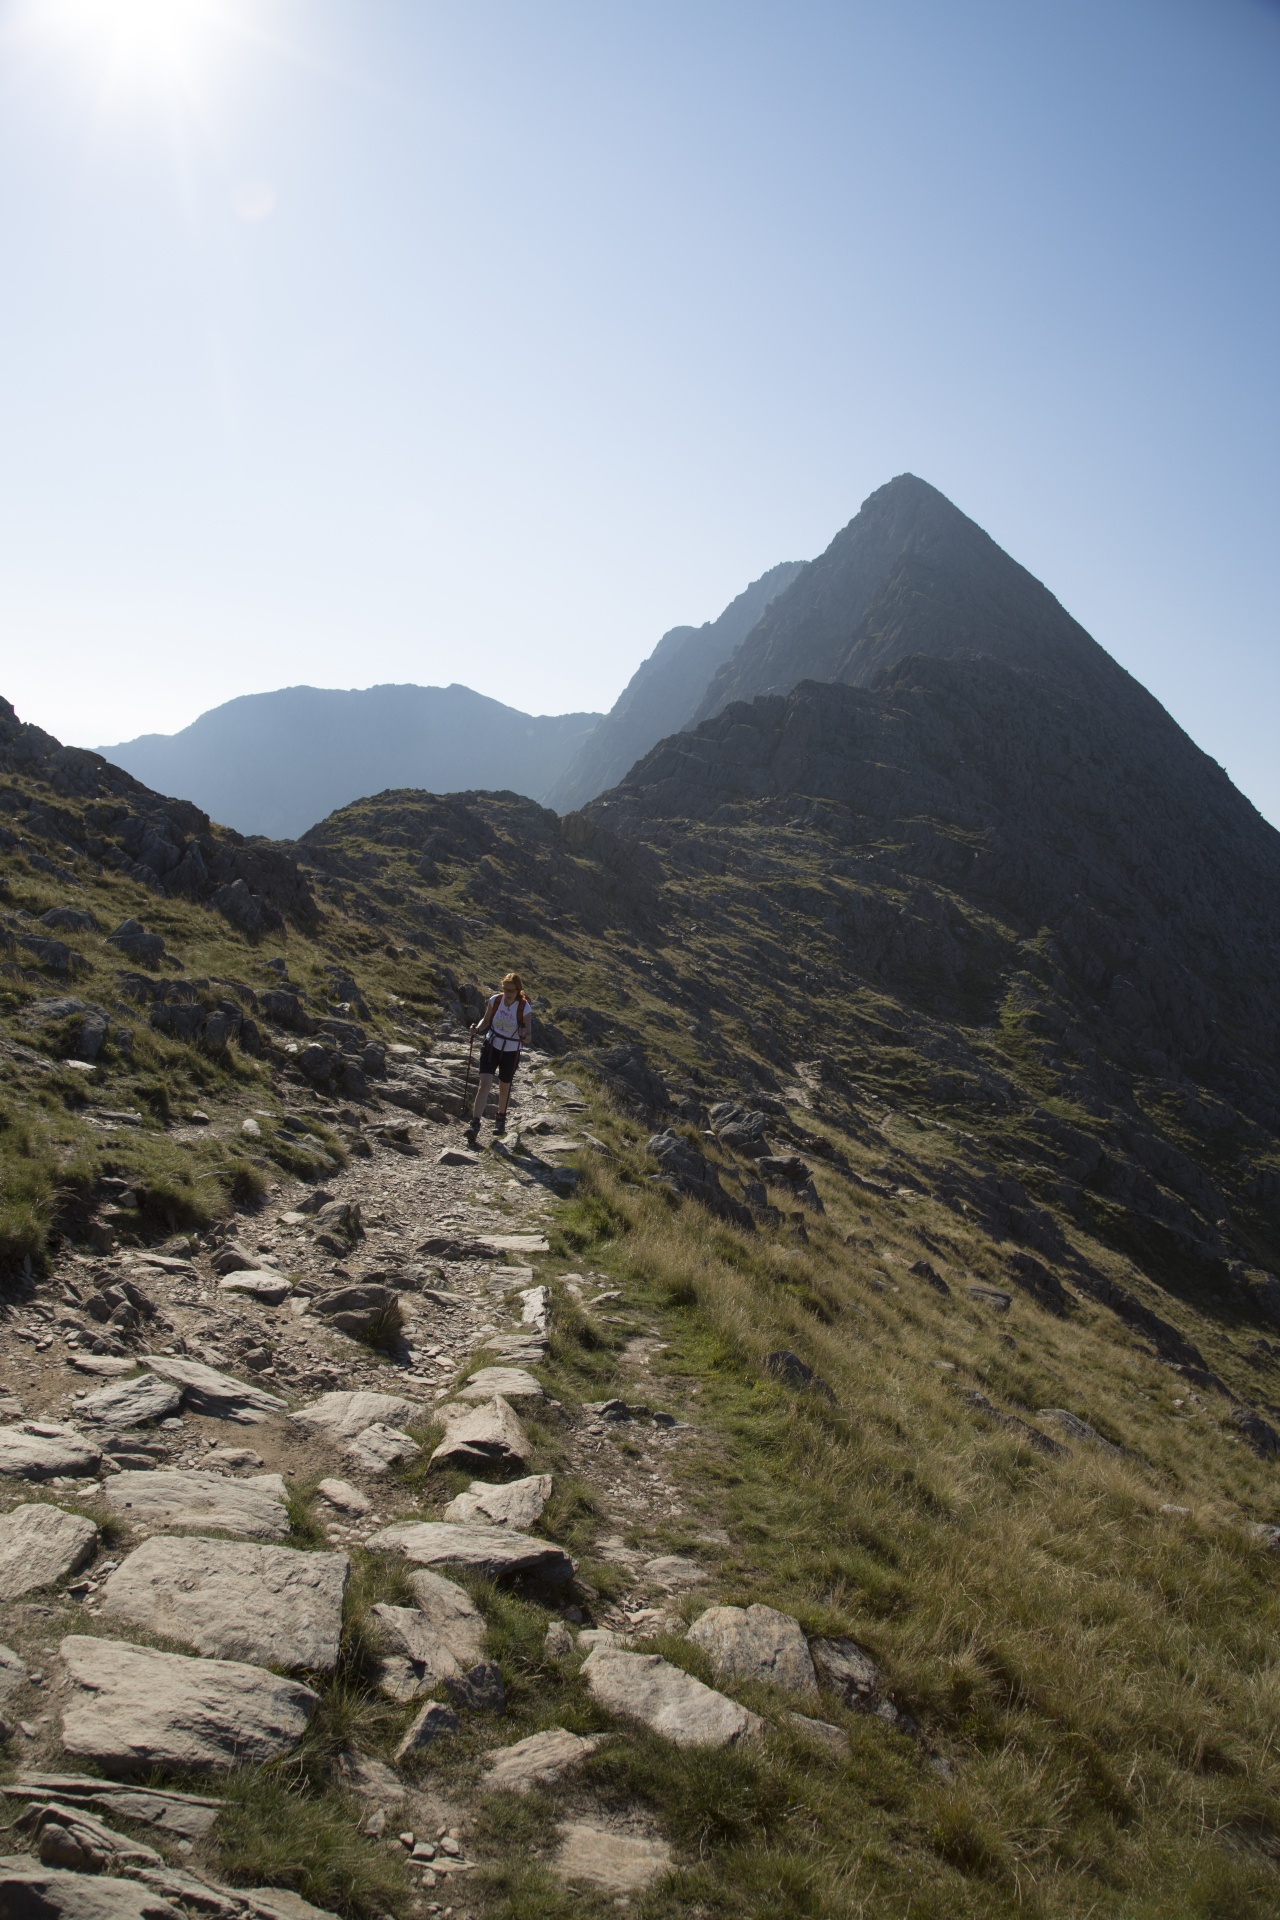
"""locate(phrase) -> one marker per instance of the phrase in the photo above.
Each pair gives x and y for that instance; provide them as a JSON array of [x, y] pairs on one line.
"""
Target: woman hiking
[[507, 1026]]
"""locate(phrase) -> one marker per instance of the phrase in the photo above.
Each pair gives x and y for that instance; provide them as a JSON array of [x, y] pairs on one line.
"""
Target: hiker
[[507, 1026]]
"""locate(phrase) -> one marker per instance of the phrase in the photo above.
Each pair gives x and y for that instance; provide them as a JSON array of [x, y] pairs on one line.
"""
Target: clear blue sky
[[346, 341]]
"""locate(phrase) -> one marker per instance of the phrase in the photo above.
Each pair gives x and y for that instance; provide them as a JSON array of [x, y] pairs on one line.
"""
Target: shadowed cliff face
[[910, 574]]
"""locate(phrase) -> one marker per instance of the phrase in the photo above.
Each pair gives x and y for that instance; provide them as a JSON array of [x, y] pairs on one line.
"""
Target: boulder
[[132, 1708], [132, 1403], [347, 1499], [457, 1157], [40, 1545], [756, 1643], [259, 1283], [452, 1614], [233, 1600], [518, 1504], [133, 940], [43, 1450], [217, 1395], [30, 1891], [486, 1435], [513, 1383], [670, 1570], [358, 1311], [175, 1497], [348, 1413], [418, 1659], [791, 1370], [618, 1863], [430, 1724], [479, 1689], [73, 1837], [495, 1553], [371, 1778], [536, 1761], [647, 1688], [233, 1258], [379, 1447]]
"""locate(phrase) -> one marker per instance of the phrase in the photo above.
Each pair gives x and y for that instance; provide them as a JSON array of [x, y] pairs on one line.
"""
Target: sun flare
[[143, 40]]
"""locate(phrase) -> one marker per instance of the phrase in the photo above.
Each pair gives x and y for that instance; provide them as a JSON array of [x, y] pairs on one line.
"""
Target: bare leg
[[482, 1095], [504, 1095]]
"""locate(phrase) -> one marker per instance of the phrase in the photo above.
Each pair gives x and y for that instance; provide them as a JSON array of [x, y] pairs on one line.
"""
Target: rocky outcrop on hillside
[[112, 820]]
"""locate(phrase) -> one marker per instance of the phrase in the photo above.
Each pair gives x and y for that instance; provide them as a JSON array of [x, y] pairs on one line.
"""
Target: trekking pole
[[467, 1086]]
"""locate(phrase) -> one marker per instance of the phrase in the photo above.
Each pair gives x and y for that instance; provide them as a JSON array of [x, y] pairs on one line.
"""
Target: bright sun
[[139, 39]]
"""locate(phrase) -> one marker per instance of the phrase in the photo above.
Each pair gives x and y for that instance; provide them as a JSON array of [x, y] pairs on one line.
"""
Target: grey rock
[[452, 1614], [131, 1708], [1077, 1429], [42, 1450], [430, 1724], [358, 1311], [848, 1670], [558, 1643], [346, 1498], [495, 1553], [518, 1504], [132, 1403], [457, 1157], [205, 1390], [756, 1643], [76, 1838], [991, 1297], [40, 1545], [371, 1778], [479, 1689], [183, 1816], [617, 1863], [512, 1383], [536, 1761], [348, 1413], [488, 1435], [29, 1891], [378, 1448], [791, 1370], [259, 1283], [233, 1258], [420, 1658], [647, 1688], [271, 1606], [180, 1498], [673, 1570]]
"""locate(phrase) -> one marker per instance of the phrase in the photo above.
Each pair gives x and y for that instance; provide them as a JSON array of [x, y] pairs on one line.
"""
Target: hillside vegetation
[[956, 1278]]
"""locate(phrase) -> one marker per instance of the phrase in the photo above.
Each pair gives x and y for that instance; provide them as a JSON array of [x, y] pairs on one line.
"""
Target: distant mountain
[[664, 692], [275, 763], [910, 574]]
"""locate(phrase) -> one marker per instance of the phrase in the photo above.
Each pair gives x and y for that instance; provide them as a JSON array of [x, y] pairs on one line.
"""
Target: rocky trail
[[197, 1440]]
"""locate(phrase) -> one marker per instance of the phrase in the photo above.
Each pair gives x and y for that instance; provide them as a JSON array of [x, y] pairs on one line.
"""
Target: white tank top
[[504, 1027]]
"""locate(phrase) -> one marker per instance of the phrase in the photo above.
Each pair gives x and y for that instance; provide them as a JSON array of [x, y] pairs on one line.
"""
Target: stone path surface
[[205, 1556]]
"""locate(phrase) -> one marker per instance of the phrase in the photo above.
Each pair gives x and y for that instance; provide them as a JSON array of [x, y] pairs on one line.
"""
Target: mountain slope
[[909, 574], [663, 692], [272, 763]]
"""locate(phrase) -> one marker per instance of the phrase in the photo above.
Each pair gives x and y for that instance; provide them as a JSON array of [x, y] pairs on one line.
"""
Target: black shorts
[[504, 1064]]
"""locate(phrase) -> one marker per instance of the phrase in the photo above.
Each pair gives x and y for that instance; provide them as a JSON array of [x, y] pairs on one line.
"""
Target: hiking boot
[[500, 1126], [473, 1131]]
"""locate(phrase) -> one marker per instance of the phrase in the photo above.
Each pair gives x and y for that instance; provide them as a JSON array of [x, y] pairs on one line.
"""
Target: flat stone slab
[[131, 1708], [457, 1157], [132, 1403], [29, 1891], [672, 1570], [215, 1394], [535, 1308], [371, 1778], [271, 1288], [493, 1552], [234, 1600], [518, 1504], [108, 1366], [379, 1447], [756, 1643], [42, 1450], [513, 1383], [348, 1413], [40, 1545], [174, 1497], [418, 1658], [513, 1243], [670, 1702], [615, 1862], [185, 1816], [487, 1434], [535, 1762], [452, 1614], [341, 1495]]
